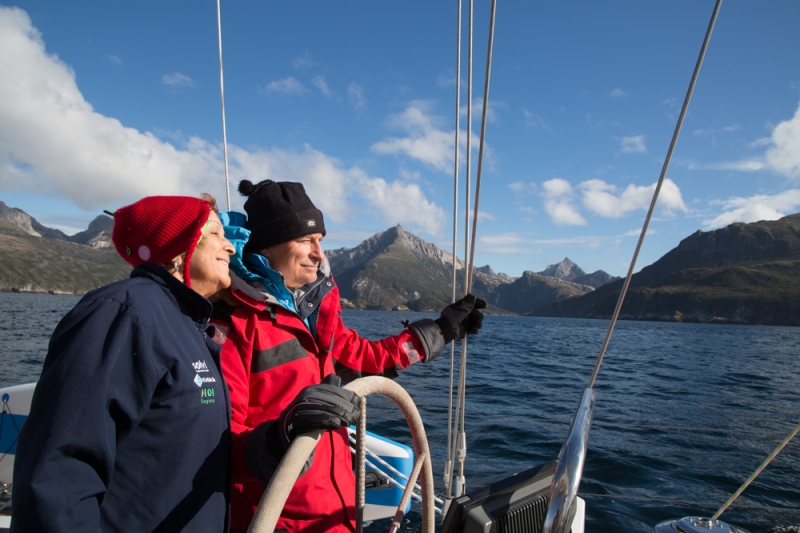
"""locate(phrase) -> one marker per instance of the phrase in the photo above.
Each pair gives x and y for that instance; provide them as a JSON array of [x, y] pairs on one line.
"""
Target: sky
[[102, 103]]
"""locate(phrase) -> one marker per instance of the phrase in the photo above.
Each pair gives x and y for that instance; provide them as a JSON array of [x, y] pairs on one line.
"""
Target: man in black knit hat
[[284, 349]]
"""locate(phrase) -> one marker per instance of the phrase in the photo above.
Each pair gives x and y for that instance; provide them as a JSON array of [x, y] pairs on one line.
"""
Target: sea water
[[684, 412]]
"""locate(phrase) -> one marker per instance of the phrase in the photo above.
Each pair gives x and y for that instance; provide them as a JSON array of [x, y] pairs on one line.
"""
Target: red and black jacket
[[269, 354]]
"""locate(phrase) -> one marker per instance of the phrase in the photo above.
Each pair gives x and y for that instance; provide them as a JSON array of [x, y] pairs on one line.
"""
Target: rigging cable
[[763, 465], [482, 142], [566, 481], [222, 100], [675, 135], [448, 467], [461, 402], [457, 446]]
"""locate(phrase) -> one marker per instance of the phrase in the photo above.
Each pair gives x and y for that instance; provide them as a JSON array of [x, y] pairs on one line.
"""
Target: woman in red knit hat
[[129, 425]]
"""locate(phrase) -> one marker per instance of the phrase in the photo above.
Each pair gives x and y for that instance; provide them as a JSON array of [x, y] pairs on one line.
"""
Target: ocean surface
[[684, 414]]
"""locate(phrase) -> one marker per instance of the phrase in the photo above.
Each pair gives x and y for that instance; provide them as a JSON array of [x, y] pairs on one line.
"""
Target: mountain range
[[395, 269], [743, 273], [97, 235]]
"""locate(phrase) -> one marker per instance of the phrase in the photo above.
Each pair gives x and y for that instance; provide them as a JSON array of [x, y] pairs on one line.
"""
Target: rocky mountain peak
[[28, 224], [343, 259], [19, 218], [98, 235], [566, 270], [486, 269]]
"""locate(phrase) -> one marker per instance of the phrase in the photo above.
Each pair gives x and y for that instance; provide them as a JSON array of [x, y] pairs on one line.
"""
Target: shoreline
[[31, 290]]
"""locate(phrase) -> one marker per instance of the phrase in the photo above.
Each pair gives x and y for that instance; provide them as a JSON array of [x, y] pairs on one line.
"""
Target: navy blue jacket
[[129, 425]]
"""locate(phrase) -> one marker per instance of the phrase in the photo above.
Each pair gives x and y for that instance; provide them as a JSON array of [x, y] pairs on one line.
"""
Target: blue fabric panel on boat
[[9, 430], [390, 496]]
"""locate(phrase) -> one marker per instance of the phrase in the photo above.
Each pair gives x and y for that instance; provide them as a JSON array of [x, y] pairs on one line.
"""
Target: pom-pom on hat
[[277, 212], [157, 229]]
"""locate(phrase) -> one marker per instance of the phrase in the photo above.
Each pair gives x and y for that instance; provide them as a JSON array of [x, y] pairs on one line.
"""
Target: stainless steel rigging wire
[[656, 192], [222, 100], [482, 142], [461, 401], [448, 467], [755, 474], [457, 447], [468, 176]]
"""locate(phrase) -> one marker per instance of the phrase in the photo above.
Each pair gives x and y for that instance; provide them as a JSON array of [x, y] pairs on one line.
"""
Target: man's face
[[298, 259]]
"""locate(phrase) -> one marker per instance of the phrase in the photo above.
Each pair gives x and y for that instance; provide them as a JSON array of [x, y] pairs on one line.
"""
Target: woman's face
[[209, 266]]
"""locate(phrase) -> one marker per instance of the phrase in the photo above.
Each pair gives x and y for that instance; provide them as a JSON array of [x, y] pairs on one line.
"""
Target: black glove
[[461, 317], [323, 406]]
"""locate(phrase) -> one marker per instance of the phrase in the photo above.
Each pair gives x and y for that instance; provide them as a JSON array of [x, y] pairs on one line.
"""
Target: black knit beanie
[[278, 211]]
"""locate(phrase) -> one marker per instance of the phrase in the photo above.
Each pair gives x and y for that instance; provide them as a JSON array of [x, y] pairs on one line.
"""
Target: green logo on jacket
[[207, 396]]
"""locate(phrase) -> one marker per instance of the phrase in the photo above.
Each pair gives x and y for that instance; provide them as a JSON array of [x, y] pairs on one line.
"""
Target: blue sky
[[111, 101]]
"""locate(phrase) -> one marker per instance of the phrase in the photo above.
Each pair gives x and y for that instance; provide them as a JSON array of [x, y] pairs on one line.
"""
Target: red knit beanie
[[157, 229]]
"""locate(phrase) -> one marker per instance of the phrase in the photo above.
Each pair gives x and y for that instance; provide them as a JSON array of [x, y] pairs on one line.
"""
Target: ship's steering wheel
[[276, 493]]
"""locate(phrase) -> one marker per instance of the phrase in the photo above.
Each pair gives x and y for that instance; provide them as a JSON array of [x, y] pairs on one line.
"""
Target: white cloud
[[177, 80], [558, 196], [304, 61], [409, 175], [591, 122], [535, 121], [504, 243], [403, 203], [602, 198], [784, 156], [587, 241], [355, 95], [521, 186], [334, 189], [637, 232], [320, 83], [288, 86], [755, 208], [618, 93], [671, 107], [563, 213], [503, 239], [114, 59], [634, 144], [446, 78], [51, 140], [516, 243], [763, 141], [713, 131], [477, 111], [325, 179], [424, 142], [748, 165], [557, 187]]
